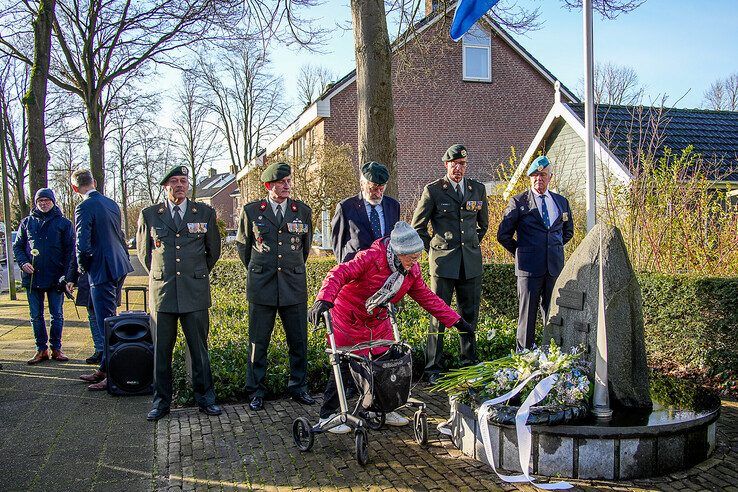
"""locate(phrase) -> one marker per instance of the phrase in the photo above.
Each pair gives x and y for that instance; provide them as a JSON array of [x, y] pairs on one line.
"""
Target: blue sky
[[677, 47]]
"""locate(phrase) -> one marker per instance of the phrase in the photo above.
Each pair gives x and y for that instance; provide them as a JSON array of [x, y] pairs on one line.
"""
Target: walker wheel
[[374, 420], [302, 434], [420, 427], [362, 446]]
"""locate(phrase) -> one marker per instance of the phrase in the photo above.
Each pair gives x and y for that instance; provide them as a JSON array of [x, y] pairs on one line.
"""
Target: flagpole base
[[602, 412]]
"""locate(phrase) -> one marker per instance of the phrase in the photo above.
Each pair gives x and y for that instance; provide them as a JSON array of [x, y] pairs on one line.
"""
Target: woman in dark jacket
[[43, 249]]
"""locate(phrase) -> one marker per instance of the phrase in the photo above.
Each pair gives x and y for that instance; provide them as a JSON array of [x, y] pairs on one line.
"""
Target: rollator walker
[[384, 382]]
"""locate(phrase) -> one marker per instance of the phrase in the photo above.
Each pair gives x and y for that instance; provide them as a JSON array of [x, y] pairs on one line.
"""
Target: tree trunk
[[96, 143], [35, 99], [377, 140], [20, 194], [124, 194]]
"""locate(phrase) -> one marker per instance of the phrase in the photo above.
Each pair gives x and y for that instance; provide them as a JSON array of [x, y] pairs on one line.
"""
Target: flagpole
[[589, 115]]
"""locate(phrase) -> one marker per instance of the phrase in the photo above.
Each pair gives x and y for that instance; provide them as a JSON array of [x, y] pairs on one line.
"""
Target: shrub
[[689, 321]]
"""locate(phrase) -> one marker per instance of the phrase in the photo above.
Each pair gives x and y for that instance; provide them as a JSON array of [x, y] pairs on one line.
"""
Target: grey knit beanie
[[405, 240]]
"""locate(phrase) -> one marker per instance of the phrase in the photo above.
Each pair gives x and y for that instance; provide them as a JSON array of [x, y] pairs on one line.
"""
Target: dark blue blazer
[[351, 231], [537, 250], [101, 250]]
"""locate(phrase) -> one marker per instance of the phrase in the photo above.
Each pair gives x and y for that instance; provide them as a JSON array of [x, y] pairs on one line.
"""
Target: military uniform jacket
[[178, 260], [275, 254], [537, 250], [458, 227]]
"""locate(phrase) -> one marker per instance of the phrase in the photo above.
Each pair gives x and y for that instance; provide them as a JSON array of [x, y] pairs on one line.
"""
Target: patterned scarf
[[391, 286]]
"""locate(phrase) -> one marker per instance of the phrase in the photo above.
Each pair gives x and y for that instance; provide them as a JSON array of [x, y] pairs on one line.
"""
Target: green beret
[[375, 172], [538, 165], [275, 172], [454, 152], [175, 171]]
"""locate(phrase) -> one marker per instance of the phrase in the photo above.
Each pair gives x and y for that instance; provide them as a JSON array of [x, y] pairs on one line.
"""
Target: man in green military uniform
[[178, 243], [456, 207], [273, 240]]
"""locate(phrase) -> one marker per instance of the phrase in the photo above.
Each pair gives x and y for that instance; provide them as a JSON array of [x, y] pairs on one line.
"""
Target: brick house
[[485, 91], [215, 190]]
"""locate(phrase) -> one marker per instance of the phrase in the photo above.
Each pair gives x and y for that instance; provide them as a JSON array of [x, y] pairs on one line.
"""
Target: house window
[[477, 55]]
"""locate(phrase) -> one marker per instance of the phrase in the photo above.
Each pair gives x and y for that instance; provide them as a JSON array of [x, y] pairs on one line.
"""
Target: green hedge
[[692, 322]]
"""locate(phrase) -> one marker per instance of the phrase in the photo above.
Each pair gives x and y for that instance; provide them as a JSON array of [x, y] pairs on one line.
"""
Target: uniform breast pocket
[[201, 273], [255, 269], [158, 233]]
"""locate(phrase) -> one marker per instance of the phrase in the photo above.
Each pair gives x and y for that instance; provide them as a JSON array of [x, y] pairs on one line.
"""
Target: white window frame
[[467, 44]]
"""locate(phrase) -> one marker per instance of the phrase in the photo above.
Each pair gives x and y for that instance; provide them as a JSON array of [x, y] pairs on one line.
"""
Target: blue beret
[[275, 172], [539, 164], [375, 172]]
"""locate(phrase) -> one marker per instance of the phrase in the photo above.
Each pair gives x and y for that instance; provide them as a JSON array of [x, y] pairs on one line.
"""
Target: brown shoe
[[58, 355], [95, 377], [101, 386], [40, 356]]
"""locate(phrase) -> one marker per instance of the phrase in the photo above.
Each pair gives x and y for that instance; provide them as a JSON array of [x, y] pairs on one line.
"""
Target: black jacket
[[52, 236], [351, 231]]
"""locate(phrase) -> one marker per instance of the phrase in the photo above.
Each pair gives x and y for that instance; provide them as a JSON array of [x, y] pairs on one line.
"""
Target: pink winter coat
[[348, 286]]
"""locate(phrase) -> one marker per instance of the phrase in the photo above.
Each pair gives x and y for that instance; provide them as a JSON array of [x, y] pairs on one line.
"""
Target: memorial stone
[[573, 314]]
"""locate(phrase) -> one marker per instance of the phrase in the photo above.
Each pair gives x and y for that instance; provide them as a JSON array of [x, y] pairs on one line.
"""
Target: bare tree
[[377, 138], [614, 84], [101, 42], [35, 98], [722, 94], [194, 136], [153, 150], [13, 80], [67, 153], [311, 81], [247, 99]]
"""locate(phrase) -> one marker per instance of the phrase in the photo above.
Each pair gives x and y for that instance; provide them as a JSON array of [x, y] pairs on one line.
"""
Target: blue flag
[[468, 12]]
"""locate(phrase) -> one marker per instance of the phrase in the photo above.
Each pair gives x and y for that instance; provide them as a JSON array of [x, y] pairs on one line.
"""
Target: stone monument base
[[628, 446]]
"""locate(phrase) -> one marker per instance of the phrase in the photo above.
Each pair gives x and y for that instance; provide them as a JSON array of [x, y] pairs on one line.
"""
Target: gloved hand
[[61, 286], [315, 314], [463, 326]]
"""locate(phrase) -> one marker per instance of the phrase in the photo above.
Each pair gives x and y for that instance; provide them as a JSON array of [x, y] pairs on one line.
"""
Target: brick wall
[[222, 202], [435, 107]]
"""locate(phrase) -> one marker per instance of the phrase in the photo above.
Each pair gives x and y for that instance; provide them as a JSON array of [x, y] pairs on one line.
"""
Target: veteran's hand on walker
[[315, 314]]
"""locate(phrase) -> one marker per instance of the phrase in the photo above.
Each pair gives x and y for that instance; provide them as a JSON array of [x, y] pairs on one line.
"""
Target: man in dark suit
[[273, 240], [178, 243], [542, 223], [456, 208], [102, 253], [360, 220]]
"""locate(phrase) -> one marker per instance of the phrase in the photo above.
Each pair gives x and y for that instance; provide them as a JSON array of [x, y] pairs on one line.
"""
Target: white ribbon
[[523, 431]]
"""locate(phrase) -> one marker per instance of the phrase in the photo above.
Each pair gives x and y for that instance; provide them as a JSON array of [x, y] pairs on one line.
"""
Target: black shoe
[[303, 398], [157, 413], [94, 358], [257, 403], [211, 409], [434, 377]]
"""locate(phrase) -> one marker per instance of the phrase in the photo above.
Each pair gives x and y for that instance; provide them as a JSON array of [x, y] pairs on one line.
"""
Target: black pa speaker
[[129, 351]]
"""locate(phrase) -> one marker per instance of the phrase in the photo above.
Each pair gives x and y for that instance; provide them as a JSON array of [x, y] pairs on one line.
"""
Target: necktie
[[544, 212], [460, 192], [177, 218], [376, 225], [280, 216]]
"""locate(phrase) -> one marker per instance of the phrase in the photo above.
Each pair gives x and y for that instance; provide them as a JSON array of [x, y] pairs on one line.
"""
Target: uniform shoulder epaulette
[[438, 182]]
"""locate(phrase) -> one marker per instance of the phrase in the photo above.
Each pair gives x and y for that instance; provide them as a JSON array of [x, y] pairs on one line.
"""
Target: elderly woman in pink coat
[[355, 292]]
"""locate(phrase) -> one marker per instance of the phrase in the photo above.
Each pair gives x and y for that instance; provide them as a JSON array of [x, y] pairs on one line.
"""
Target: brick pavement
[[244, 450]]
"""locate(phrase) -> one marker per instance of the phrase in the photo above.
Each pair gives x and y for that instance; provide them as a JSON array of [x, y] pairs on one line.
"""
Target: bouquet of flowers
[[491, 379]]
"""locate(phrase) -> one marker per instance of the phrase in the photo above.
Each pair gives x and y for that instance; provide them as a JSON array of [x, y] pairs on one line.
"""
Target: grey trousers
[[195, 326], [534, 293]]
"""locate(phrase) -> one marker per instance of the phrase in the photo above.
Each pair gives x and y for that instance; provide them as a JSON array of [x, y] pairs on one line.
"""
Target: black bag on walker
[[384, 382]]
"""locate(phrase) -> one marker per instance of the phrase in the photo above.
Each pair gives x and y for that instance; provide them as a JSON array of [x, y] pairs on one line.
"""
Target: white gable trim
[[562, 110]]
